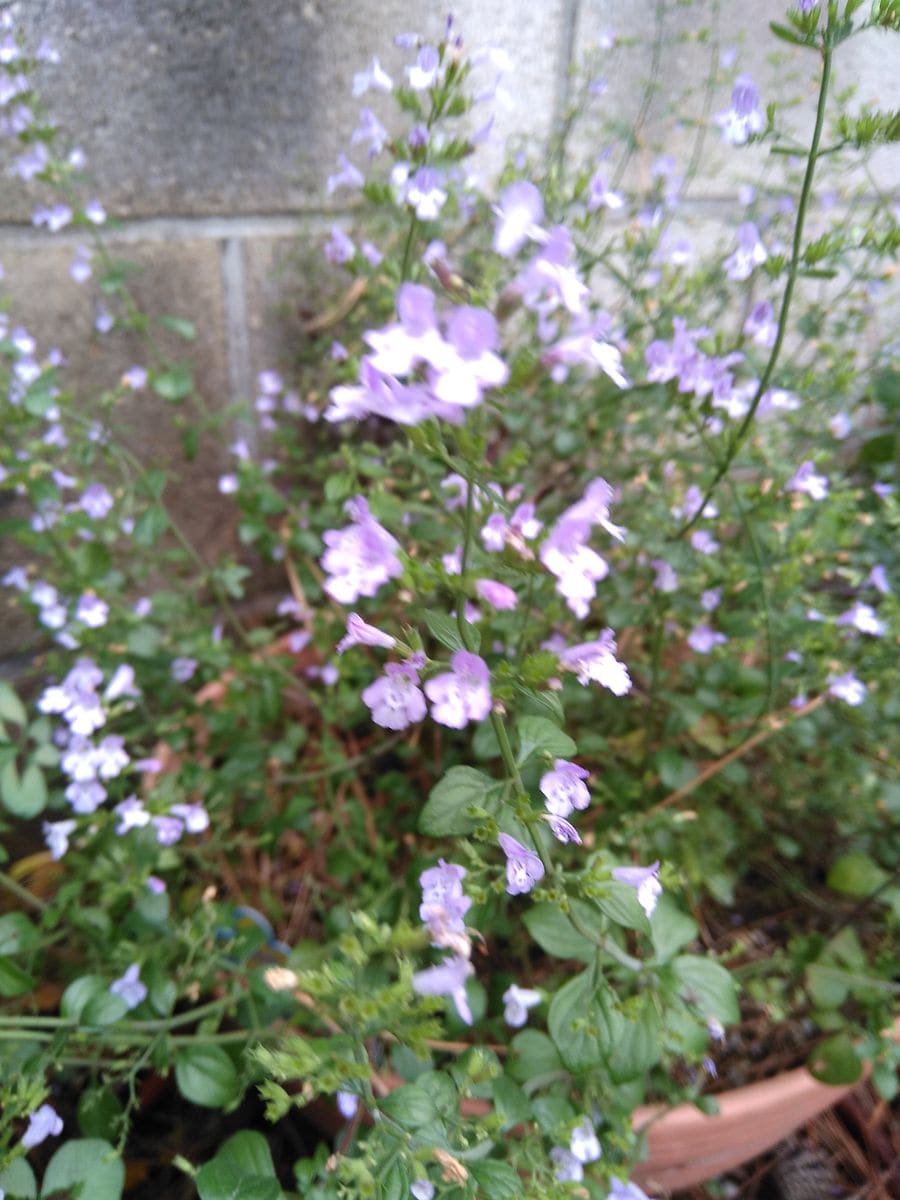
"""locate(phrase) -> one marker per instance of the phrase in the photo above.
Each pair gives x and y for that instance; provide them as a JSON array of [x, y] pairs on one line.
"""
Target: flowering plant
[[491, 917]]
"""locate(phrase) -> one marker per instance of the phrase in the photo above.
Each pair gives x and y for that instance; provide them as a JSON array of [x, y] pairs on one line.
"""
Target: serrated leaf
[[206, 1075], [577, 1025], [88, 1165], [241, 1170], [180, 325], [855, 875], [446, 810], [707, 986], [496, 1180], [14, 981], [17, 934], [670, 928], [17, 1181], [535, 1055], [510, 1101], [174, 384], [444, 629], [11, 707], [555, 933], [538, 735], [836, 1061]]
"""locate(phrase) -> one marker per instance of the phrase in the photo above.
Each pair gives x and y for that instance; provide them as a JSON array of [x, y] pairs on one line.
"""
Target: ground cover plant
[[582, 663]]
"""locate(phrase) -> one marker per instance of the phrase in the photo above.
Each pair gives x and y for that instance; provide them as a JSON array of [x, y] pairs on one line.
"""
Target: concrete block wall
[[209, 127]]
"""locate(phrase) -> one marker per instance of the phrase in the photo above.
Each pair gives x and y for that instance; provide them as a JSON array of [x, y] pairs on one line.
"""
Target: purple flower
[[348, 1103], [520, 210], [424, 71], [806, 480], [168, 830], [863, 617], [339, 248], [95, 212], [563, 830], [360, 558], [345, 176], [85, 796], [444, 904], [194, 816], [583, 1143], [877, 578], [711, 599], [564, 789], [374, 77], [370, 130], [744, 117], [56, 837], [395, 698], [596, 662], [424, 192], [156, 885], [44, 1122], [600, 196], [703, 639], [498, 595], [568, 1168], [467, 363], [132, 815], [463, 694], [448, 978], [96, 501], [80, 266], [750, 253], [666, 576], [359, 633], [523, 867], [625, 1191], [645, 881], [518, 1001], [183, 668], [422, 1189], [92, 611], [761, 325], [704, 542], [847, 688], [840, 425], [129, 987]]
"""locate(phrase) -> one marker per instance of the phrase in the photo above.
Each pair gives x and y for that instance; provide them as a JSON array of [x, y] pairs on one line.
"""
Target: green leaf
[[17, 934], [636, 1042], [538, 735], [14, 981], [104, 1008], [446, 809], [576, 1024], [670, 928], [510, 1101], [555, 933], [394, 1184], [206, 1075], [88, 1164], [826, 989], [706, 984], [175, 384], [241, 1170], [444, 629], [620, 904], [339, 486], [11, 707], [496, 1180], [535, 1055], [100, 1113], [24, 796], [836, 1061], [79, 993], [855, 874], [184, 328], [18, 1181], [150, 525], [788, 35], [144, 641], [414, 1104]]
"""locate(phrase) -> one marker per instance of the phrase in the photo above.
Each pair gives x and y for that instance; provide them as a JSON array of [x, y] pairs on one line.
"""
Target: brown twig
[[773, 724]]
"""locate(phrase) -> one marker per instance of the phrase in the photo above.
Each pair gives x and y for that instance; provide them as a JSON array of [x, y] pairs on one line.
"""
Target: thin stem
[[793, 270], [21, 893]]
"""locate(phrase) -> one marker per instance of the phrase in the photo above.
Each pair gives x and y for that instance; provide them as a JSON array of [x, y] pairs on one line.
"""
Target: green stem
[[793, 271], [21, 893]]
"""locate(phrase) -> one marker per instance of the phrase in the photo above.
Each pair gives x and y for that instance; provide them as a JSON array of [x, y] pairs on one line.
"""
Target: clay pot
[[687, 1147]]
